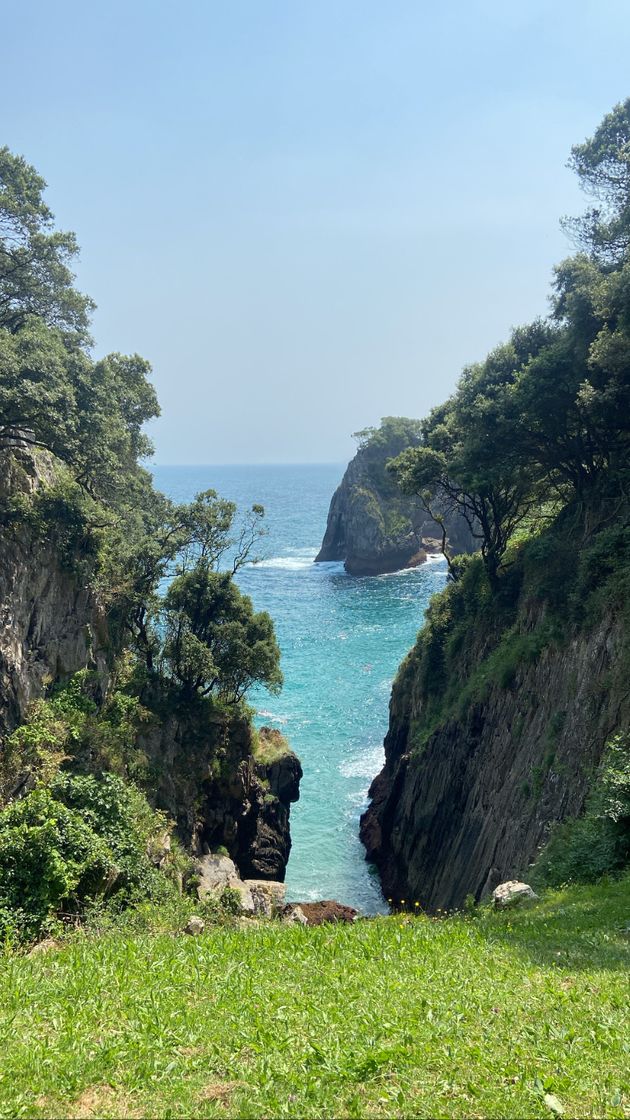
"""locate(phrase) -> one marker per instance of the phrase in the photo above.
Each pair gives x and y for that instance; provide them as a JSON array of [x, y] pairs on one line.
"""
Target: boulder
[[511, 894], [194, 926], [215, 873], [316, 913], [267, 896], [294, 915]]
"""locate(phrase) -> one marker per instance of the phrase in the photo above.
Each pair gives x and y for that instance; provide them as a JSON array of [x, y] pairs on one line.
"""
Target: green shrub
[[80, 840], [585, 848], [49, 858]]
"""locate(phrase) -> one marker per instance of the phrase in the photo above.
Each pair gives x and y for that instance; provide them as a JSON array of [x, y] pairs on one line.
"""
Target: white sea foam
[[271, 717], [287, 563], [364, 765]]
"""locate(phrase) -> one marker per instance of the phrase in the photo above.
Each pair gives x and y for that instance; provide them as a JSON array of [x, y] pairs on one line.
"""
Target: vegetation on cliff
[[72, 442], [543, 421], [521, 668], [372, 526]]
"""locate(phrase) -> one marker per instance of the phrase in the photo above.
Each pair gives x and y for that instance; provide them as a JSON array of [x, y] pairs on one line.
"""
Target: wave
[[365, 765], [288, 563], [271, 717]]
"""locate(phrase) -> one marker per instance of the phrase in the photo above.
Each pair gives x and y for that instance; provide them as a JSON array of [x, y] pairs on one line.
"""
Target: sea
[[342, 639]]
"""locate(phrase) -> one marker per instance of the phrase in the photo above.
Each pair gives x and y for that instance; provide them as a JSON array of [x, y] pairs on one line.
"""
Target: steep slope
[[51, 624], [208, 769], [371, 525], [499, 718]]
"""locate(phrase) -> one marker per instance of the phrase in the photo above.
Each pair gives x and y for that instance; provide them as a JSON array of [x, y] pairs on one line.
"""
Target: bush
[[49, 859], [583, 849], [78, 841]]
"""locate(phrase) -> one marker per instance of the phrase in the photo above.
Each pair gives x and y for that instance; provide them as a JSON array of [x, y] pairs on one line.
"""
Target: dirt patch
[[219, 1091], [101, 1100], [316, 913]]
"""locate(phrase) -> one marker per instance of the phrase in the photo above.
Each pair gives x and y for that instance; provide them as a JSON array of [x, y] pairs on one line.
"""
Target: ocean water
[[342, 639]]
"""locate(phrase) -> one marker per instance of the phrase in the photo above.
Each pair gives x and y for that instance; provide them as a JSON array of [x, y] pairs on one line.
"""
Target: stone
[[194, 926], [267, 896], [45, 946], [316, 913], [512, 893], [246, 901], [294, 915], [215, 873], [159, 849]]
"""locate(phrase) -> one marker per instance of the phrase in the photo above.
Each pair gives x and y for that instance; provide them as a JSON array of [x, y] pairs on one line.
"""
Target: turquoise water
[[342, 639]]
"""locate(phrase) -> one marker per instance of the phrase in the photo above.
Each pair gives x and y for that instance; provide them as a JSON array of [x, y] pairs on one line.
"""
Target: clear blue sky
[[308, 214]]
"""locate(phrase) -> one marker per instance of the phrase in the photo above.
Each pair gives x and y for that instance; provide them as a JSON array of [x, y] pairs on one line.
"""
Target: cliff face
[[203, 770], [210, 778], [373, 527], [51, 625], [465, 801]]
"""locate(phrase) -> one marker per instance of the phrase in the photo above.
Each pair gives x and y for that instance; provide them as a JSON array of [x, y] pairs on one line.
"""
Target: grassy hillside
[[514, 1014]]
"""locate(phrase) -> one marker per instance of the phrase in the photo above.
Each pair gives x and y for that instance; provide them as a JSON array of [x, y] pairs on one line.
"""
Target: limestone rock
[[267, 897], [215, 873], [194, 926], [511, 894]]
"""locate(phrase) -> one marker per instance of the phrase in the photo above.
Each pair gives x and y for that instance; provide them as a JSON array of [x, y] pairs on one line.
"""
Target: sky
[[308, 214]]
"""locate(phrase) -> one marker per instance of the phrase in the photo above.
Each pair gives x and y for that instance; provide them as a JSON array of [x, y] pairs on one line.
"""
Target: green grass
[[471, 1016]]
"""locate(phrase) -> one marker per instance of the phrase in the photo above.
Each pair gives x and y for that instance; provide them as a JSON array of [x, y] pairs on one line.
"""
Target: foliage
[[71, 726], [214, 640], [472, 1015], [35, 260], [585, 848], [544, 416], [602, 164], [81, 839], [89, 414], [49, 858], [394, 433]]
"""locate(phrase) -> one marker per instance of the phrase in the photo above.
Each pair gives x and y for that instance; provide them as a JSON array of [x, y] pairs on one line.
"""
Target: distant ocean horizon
[[342, 639]]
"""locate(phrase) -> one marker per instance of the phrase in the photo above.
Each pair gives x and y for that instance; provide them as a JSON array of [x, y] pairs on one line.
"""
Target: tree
[[35, 259], [214, 640], [52, 394], [471, 460], [602, 164]]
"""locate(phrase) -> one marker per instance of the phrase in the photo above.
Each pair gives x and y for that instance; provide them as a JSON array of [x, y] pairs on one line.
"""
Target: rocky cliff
[[497, 725], [371, 525], [217, 779], [211, 772], [51, 624]]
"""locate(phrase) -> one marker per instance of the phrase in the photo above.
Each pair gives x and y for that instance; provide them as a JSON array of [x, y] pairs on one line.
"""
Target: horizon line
[[303, 463]]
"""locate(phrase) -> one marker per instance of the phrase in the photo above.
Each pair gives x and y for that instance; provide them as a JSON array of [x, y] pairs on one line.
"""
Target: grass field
[[521, 1014]]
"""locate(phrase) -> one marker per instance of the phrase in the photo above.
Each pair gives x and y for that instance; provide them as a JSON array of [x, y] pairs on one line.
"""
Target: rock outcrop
[[213, 779], [256, 897], [469, 807], [209, 770], [371, 525], [51, 623]]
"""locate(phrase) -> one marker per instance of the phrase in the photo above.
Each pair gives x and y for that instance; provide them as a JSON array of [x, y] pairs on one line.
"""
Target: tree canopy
[[89, 414], [203, 635], [546, 416]]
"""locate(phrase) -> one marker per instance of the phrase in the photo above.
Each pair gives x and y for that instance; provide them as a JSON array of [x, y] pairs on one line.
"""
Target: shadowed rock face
[[208, 779], [51, 625], [374, 528], [472, 807], [205, 773]]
